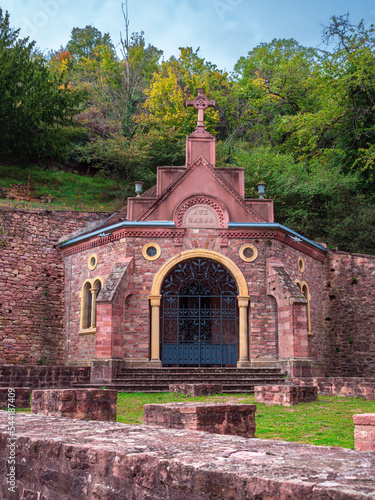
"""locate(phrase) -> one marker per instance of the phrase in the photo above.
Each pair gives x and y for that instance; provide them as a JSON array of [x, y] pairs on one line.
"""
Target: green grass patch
[[326, 422], [68, 190]]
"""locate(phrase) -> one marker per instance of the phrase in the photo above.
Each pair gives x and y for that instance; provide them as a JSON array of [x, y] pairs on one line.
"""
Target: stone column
[[243, 302], [155, 330], [94, 293]]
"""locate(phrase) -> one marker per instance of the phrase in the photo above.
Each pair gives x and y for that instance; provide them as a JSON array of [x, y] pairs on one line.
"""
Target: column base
[[135, 363], [154, 363], [302, 367], [103, 371], [242, 363], [264, 363]]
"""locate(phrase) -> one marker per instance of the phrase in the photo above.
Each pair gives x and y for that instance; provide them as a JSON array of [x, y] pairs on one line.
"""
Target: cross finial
[[200, 102]]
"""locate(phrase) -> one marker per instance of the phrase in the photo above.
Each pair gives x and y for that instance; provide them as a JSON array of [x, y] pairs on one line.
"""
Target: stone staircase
[[234, 380]]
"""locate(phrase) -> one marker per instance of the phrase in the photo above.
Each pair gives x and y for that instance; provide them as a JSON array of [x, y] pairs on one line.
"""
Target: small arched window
[[89, 294], [303, 286]]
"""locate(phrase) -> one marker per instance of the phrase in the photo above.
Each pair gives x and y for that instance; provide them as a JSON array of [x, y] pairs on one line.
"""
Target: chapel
[[191, 273]]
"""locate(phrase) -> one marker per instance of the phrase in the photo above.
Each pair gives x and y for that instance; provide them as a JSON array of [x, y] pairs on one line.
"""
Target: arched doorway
[[199, 315], [242, 301]]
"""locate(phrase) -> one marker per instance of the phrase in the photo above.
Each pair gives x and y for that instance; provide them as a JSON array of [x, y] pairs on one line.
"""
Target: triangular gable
[[228, 191]]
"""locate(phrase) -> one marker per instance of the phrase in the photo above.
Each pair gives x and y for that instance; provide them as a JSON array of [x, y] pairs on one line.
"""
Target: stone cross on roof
[[200, 102]]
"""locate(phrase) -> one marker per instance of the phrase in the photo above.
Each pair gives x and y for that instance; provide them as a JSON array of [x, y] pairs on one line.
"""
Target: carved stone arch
[[242, 299], [216, 207]]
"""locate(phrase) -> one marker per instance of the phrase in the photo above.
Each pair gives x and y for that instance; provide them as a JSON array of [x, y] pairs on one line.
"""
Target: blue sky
[[223, 29]]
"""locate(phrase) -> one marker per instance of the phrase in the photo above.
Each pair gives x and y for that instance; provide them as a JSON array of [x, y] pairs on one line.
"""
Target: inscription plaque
[[200, 215]]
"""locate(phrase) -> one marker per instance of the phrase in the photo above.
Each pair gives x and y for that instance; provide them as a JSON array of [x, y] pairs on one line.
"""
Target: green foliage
[[300, 119], [116, 157], [83, 42], [125, 85], [342, 124], [319, 201], [276, 79], [34, 104], [175, 82]]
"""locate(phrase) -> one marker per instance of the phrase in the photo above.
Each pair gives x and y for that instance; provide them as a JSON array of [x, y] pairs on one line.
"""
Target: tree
[[178, 80], [275, 80], [84, 41], [318, 201], [126, 84], [34, 104], [341, 128], [114, 85]]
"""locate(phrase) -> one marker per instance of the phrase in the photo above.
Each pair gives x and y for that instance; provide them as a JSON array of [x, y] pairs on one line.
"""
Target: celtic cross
[[200, 102]]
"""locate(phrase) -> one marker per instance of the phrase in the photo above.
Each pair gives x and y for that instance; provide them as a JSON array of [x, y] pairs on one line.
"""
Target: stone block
[[285, 395], [364, 432], [234, 419], [196, 389], [86, 404], [18, 397]]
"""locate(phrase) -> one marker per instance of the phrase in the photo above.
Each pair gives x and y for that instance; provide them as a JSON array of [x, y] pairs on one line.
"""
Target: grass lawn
[[327, 422]]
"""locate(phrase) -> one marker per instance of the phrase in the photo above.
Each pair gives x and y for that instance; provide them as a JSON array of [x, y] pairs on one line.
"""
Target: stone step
[[228, 389], [233, 380], [258, 381], [163, 386], [201, 375], [159, 373], [200, 370], [253, 381]]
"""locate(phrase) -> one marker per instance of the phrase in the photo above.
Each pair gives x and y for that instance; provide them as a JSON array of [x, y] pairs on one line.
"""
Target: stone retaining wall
[[363, 387], [41, 377], [348, 314], [66, 459], [32, 297]]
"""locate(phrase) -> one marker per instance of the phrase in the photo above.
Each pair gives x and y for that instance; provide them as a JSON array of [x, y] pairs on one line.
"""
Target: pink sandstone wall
[[32, 299], [32, 284], [349, 314], [262, 310]]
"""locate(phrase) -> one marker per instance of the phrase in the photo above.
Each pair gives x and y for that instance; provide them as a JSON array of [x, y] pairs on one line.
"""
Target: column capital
[[155, 300], [243, 300]]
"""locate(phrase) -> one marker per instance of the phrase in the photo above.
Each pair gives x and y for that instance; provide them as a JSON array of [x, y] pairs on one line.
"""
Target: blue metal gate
[[199, 315]]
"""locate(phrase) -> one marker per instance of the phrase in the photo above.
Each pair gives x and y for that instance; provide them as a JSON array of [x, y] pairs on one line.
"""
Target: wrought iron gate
[[199, 315]]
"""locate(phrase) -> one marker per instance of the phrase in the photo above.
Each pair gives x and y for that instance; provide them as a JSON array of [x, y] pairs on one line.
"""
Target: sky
[[224, 30]]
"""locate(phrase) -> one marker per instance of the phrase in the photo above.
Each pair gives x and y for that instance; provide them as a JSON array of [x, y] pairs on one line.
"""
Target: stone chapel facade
[[192, 273]]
